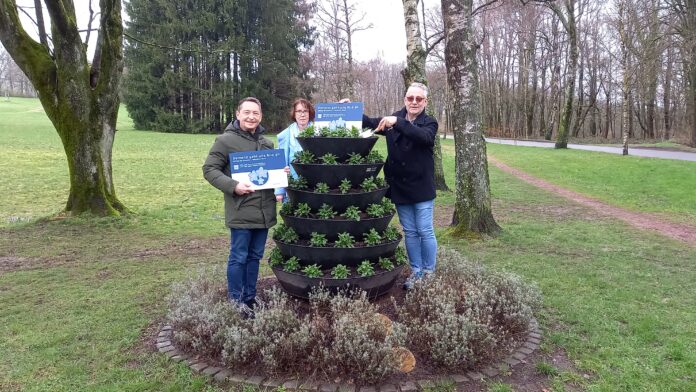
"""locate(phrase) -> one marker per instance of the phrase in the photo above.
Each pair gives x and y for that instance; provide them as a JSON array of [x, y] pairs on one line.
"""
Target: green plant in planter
[[380, 182], [307, 132], [375, 210], [340, 272], [329, 159], [344, 240], [385, 264], [345, 186], [352, 213], [287, 209], [303, 210], [297, 183], [354, 131], [304, 157], [275, 259], [289, 236], [366, 269], [374, 157], [326, 212], [391, 233], [312, 271], [400, 256], [340, 132], [321, 187], [318, 239], [389, 207], [325, 132], [369, 185], [292, 264], [355, 159], [372, 237], [279, 231]]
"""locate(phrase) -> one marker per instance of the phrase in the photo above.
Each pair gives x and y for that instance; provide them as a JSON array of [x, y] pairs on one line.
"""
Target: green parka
[[255, 210]]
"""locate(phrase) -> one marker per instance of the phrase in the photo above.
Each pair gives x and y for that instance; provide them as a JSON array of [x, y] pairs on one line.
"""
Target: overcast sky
[[386, 38]]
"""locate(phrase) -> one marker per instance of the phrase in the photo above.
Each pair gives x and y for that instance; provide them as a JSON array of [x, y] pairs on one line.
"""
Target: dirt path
[[641, 220]]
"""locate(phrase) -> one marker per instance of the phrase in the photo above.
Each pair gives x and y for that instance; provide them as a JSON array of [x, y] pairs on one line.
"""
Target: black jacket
[[410, 167]]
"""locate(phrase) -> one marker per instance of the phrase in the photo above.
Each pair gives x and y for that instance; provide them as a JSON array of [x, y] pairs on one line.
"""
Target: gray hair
[[420, 86]]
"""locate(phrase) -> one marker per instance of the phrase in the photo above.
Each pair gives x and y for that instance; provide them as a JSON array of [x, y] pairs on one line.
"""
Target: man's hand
[[286, 169], [279, 198], [243, 188], [385, 123]]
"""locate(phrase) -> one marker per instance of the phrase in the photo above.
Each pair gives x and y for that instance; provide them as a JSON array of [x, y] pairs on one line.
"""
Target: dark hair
[[249, 99], [304, 102]]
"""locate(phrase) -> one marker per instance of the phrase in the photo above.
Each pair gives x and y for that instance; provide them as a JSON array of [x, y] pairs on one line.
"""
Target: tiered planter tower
[[311, 248]]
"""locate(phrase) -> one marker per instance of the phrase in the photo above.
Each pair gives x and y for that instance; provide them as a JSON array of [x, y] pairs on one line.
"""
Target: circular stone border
[[225, 375]]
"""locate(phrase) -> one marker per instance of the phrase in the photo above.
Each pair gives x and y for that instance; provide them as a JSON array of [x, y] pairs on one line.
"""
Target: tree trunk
[[415, 72], [473, 200], [667, 94], [84, 114], [568, 21]]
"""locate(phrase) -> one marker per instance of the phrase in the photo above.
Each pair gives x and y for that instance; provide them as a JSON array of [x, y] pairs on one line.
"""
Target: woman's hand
[[279, 198]]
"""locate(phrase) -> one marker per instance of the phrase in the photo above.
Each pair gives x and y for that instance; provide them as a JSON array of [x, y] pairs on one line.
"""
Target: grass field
[[80, 297]]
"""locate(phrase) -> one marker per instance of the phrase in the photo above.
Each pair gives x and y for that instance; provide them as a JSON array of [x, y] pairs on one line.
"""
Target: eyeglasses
[[301, 111], [411, 98]]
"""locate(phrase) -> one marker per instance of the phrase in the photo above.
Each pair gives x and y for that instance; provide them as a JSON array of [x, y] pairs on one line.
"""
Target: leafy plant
[[345, 186], [352, 213], [289, 236], [304, 157], [344, 240], [391, 233], [374, 157], [297, 183], [366, 269], [355, 159], [386, 264], [292, 264], [318, 239], [340, 132], [326, 212], [287, 209], [340, 272], [312, 271], [369, 184], [400, 256], [275, 259], [372, 237], [380, 182], [321, 187], [325, 132], [329, 159], [354, 131], [303, 209], [279, 231], [375, 210], [307, 132], [389, 207]]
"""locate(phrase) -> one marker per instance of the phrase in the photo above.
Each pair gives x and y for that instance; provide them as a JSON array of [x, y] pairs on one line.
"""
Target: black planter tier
[[300, 285], [338, 201], [331, 227], [341, 147], [329, 257], [332, 175]]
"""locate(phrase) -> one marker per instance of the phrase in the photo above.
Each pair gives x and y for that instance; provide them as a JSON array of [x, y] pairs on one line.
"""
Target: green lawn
[[79, 298]]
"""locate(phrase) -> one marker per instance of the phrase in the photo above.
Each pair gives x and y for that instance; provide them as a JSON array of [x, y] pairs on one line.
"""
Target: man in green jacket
[[248, 213]]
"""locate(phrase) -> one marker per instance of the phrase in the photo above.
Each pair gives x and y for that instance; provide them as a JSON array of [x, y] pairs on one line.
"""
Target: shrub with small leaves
[[326, 212], [303, 210], [304, 157], [366, 269], [375, 210], [297, 183], [340, 272], [325, 132], [391, 233], [355, 159], [368, 184], [374, 157], [400, 256], [307, 132], [372, 237], [318, 239], [344, 240], [321, 187], [279, 231], [276, 259], [385, 264], [352, 213], [287, 209], [345, 186], [354, 131], [292, 264], [329, 159], [288, 236], [379, 181], [312, 271], [340, 132], [389, 207]]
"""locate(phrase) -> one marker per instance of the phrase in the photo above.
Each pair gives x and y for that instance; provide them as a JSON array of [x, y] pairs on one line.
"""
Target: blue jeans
[[246, 250], [421, 245]]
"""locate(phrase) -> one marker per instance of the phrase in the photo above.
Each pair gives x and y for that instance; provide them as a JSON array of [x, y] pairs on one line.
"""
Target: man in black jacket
[[410, 172]]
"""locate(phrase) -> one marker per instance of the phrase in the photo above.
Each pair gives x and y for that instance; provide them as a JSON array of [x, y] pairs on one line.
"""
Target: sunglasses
[[411, 98]]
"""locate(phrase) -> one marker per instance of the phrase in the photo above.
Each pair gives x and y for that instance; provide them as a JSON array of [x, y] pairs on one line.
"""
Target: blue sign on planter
[[262, 169], [334, 115]]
